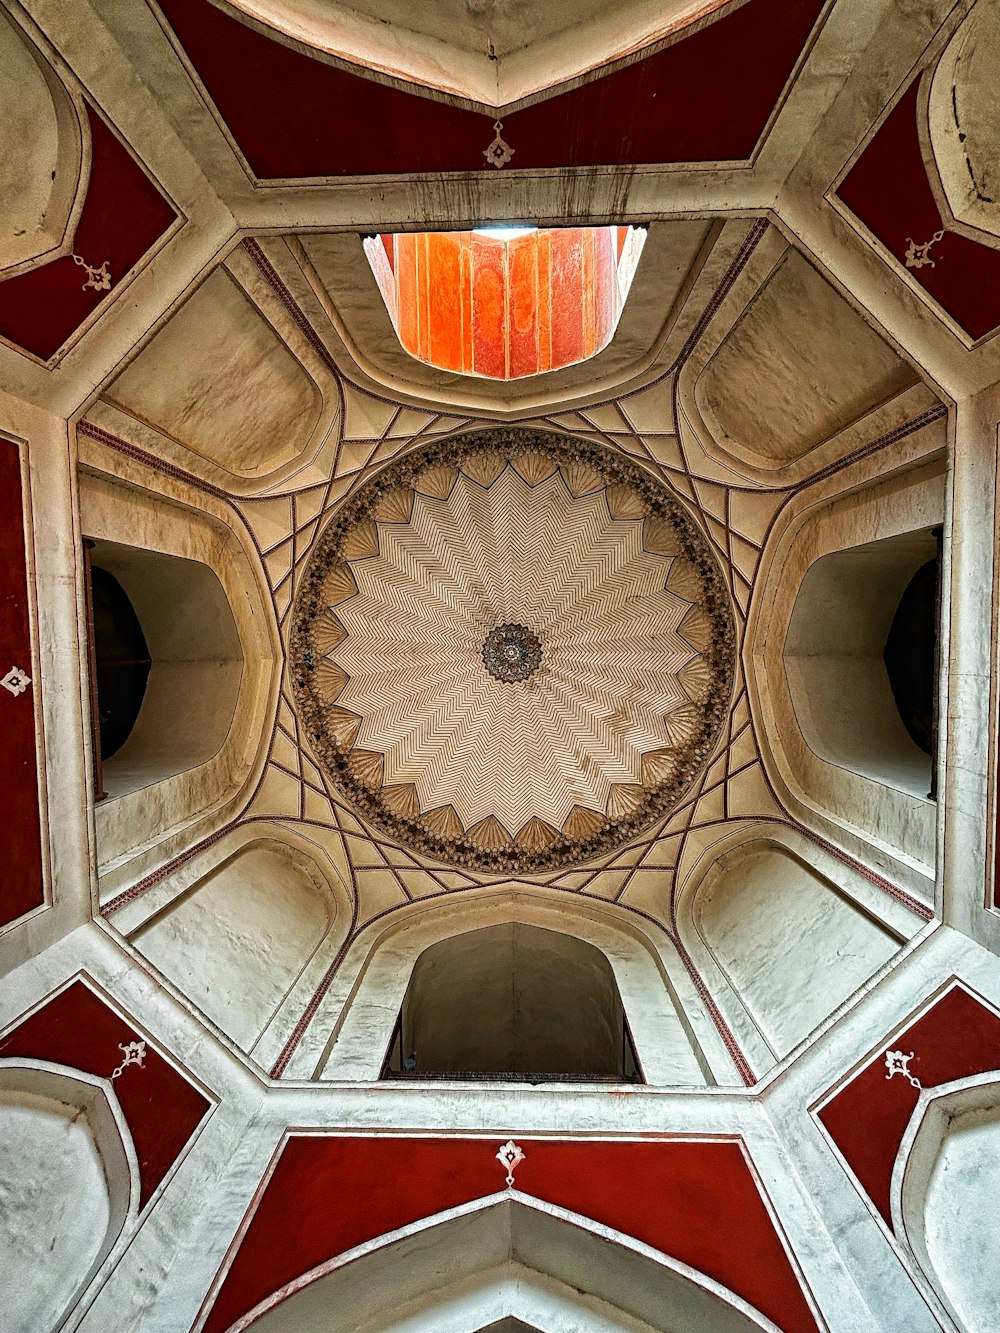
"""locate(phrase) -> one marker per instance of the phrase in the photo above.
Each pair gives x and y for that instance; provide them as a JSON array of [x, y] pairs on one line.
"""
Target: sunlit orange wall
[[482, 305]]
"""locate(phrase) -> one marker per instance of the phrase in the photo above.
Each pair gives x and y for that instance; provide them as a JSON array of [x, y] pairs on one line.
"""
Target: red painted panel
[[162, 1108], [21, 886], [567, 297], [545, 301], [526, 277], [867, 1119], [696, 1201], [707, 98], [406, 289], [489, 308], [123, 215], [444, 297], [888, 190]]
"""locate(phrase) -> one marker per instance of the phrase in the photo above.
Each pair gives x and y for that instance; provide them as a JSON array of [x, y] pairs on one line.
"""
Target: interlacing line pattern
[[625, 875]]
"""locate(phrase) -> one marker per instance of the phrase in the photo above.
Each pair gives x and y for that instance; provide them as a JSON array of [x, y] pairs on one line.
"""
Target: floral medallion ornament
[[512, 650]]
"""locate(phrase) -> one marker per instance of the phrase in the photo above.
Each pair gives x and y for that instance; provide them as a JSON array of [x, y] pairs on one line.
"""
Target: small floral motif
[[16, 680], [919, 256], [510, 1157], [499, 152], [133, 1053], [512, 653], [98, 278], [898, 1063]]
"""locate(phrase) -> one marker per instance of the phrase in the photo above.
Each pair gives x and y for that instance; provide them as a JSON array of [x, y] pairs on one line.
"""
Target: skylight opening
[[506, 302], [503, 233]]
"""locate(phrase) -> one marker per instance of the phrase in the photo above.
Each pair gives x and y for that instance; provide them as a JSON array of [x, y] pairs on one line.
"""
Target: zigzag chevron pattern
[[621, 650]]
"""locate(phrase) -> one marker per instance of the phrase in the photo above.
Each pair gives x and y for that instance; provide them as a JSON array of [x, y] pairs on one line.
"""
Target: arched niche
[[831, 581], [44, 167], [496, 1001], [237, 940], [69, 1184], [506, 1257], [196, 665], [944, 1190], [964, 120], [848, 609], [228, 386], [201, 732], [353, 1030], [791, 945]]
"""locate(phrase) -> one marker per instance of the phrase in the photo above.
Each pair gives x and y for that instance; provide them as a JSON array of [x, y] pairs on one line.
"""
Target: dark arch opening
[[911, 653], [513, 1002], [121, 661]]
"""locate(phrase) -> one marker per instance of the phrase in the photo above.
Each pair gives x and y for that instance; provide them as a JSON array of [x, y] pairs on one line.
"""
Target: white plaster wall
[[961, 1219], [791, 945], [236, 942], [45, 164], [54, 1208], [944, 1190]]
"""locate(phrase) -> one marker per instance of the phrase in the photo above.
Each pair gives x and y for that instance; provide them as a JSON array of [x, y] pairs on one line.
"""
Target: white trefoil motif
[[898, 1063], [509, 1157], [133, 1052], [16, 680]]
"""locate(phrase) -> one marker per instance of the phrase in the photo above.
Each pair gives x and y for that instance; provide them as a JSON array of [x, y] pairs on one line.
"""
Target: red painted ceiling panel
[[867, 1119], [123, 216], [162, 1108], [696, 1201], [21, 886], [888, 190], [707, 98]]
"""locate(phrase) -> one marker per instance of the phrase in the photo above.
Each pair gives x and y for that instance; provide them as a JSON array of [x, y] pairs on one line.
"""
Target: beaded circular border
[[615, 470]]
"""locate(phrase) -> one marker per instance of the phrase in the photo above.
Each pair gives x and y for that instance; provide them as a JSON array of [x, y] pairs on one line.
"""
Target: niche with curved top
[[227, 387], [66, 1185], [44, 165], [791, 944], [798, 367], [177, 713], [513, 1000], [944, 1190], [860, 659], [236, 941]]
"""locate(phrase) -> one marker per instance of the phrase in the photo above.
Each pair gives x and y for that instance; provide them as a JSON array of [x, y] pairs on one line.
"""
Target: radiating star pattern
[[614, 597]]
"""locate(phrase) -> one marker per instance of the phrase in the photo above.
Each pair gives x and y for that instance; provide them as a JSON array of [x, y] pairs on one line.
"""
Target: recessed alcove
[[176, 609], [860, 658], [66, 1188], [944, 1191], [791, 945], [494, 1002], [236, 941]]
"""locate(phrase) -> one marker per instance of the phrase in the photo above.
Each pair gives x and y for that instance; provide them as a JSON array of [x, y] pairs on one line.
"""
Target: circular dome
[[512, 650]]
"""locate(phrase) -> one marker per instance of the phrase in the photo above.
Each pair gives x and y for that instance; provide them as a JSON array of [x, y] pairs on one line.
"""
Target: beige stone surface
[[191, 383], [798, 367]]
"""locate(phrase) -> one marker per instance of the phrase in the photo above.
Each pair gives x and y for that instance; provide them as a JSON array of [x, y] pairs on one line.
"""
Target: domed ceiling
[[598, 650], [513, 651]]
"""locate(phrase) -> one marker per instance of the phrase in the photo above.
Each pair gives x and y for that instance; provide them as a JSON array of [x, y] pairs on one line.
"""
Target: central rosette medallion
[[586, 592], [511, 652]]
